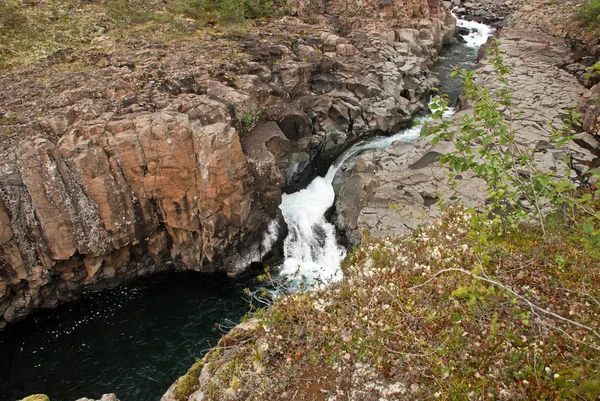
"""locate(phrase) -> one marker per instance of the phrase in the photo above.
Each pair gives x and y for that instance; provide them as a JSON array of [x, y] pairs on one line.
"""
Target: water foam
[[311, 250], [478, 32]]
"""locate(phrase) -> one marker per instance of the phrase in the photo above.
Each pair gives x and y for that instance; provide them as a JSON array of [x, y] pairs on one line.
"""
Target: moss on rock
[[188, 383]]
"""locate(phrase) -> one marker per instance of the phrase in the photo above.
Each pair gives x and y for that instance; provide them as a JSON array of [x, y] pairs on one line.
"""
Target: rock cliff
[[119, 162]]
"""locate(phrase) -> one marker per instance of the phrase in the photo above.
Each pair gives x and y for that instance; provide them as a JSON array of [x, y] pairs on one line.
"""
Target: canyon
[[169, 158], [154, 157]]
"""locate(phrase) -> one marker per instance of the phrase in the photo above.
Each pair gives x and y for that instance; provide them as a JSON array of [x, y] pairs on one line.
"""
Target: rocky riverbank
[[551, 17], [393, 191]]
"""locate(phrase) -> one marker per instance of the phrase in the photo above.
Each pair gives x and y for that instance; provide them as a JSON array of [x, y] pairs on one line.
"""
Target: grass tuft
[[589, 13]]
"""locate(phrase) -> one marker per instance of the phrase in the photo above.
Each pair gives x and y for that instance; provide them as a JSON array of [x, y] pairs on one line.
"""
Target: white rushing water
[[478, 33], [311, 251], [310, 248]]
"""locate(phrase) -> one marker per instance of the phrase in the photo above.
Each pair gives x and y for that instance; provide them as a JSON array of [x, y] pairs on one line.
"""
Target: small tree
[[485, 144]]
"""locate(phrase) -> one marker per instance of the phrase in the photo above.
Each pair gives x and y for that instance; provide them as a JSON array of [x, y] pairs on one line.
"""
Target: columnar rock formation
[[159, 155], [355, 14]]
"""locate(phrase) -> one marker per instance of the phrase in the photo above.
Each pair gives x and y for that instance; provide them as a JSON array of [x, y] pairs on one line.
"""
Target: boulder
[[36, 397], [105, 397]]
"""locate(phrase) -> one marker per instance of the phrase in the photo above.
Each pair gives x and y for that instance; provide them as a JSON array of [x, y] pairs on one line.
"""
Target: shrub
[[249, 119], [124, 13], [228, 11], [486, 145], [589, 14]]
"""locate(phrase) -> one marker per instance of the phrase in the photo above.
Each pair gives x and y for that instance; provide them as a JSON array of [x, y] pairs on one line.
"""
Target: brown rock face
[[78, 210], [356, 14]]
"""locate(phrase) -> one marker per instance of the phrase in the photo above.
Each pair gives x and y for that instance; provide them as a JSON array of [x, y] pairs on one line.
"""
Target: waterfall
[[311, 250], [312, 253], [478, 32]]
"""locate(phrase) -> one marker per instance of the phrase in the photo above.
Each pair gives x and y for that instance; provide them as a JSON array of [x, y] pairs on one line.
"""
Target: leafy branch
[[485, 144]]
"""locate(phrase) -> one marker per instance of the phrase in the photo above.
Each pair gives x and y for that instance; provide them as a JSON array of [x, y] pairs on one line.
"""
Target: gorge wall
[[116, 163], [393, 191]]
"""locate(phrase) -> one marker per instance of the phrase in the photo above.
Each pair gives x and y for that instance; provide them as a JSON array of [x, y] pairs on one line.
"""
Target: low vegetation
[[589, 13], [431, 315], [501, 303], [32, 30], [229, 11]]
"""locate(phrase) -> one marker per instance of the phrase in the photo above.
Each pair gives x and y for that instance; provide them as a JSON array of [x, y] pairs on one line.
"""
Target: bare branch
[[520, 297]]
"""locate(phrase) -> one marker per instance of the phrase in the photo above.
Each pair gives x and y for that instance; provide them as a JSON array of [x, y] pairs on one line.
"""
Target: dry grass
[[34, 30]]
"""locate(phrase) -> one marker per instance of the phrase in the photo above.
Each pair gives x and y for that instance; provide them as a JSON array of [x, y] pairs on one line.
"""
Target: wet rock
[[36, 397], [490, 12], [105, 397]]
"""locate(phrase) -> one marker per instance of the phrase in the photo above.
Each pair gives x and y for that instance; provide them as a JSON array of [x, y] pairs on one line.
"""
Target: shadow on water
[[452, 56], [133, 340], [462, 54]]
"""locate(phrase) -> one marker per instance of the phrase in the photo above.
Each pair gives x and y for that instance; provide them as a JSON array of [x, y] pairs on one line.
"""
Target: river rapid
[[312, 252]]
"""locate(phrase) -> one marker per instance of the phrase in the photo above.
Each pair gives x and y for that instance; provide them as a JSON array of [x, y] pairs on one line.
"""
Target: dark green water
[[450, 57], [134, 340]]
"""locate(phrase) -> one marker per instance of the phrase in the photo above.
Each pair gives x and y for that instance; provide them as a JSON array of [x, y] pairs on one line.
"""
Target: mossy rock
[[188, 383], [37, 397]]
